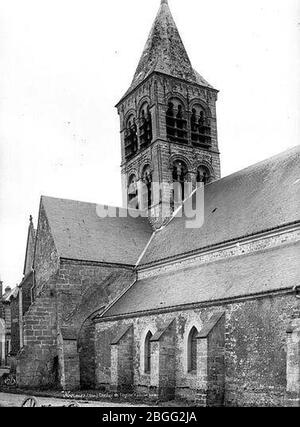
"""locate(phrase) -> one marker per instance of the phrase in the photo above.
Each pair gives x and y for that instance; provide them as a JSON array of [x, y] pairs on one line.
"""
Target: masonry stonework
[[162, 153], [122, 361], [248, 348]]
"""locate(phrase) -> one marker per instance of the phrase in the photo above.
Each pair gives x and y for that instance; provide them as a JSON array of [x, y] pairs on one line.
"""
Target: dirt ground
[[16, 400]]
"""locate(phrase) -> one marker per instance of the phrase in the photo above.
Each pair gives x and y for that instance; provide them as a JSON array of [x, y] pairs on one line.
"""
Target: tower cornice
[[161, 74]]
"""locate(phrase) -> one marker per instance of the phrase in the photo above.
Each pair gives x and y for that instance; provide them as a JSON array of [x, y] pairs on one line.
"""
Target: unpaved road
[[16, 400]]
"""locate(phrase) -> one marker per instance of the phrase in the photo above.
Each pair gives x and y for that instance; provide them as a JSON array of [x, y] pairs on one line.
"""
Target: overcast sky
[[65, 63]]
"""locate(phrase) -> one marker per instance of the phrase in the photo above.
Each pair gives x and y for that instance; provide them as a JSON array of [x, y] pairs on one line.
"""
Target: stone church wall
[[35, 366], [65, 294], [83, 290], [46, 261], [36, 361], [254, 372]]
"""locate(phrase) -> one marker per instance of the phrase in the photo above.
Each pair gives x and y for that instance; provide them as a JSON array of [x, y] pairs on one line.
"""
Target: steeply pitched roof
[[80, 233], [29, 254], [256, 199], [234, 277], [164, 52]]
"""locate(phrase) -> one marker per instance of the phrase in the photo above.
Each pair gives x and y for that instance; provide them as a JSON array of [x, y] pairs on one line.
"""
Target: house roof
[[256, 273], [256, 199], [12, 293], [165, 53], [80, 233]]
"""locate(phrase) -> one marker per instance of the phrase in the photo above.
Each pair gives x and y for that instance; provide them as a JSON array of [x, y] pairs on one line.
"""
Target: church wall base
[[235, 376]]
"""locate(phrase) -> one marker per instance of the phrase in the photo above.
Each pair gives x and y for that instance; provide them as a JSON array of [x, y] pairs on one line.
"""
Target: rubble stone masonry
[[254, 372]]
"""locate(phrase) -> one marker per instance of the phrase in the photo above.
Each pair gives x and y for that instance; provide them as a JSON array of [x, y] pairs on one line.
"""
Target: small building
[[9, 327]]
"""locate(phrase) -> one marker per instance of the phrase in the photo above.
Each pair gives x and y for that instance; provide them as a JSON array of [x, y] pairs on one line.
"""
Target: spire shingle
[[165, 52]]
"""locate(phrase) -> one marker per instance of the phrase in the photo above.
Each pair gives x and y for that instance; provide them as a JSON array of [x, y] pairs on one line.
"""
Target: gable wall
[[46, 262]]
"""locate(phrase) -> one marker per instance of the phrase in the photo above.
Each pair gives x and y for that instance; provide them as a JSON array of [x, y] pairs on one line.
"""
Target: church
[[142, 300]]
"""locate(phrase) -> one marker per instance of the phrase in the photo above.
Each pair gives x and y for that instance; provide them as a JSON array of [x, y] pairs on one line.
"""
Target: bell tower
[[168, 124]]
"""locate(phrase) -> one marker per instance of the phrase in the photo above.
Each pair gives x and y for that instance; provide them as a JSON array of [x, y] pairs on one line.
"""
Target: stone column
[[122, 361], [211, 362], [202, 371], [293, 363], [68, 361], [162, 381]]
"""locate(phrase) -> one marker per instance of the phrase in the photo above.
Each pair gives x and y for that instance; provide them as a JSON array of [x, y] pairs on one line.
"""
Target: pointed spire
[[165, 52]]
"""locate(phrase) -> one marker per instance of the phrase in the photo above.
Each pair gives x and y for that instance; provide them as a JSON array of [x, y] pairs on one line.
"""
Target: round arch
[[180, 158], [130, 176], [131, 112], [143, 110], [207, 166], [144, 164], [202, 104], [175, 95], [130, 172], [144, 100]]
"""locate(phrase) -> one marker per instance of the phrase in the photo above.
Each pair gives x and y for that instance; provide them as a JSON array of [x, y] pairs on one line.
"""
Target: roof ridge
[[260, 163]]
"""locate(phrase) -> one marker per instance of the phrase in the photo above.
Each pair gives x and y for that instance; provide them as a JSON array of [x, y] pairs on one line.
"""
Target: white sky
[[65, 63]]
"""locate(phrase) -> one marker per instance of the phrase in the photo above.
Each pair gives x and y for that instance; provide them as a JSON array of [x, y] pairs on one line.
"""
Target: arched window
[[200, 126], [176, 122], [132, 192], [203, 175], [180, 176], [192, 350], [147, 181], [131, 139], [147, 353], [145, 126]]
